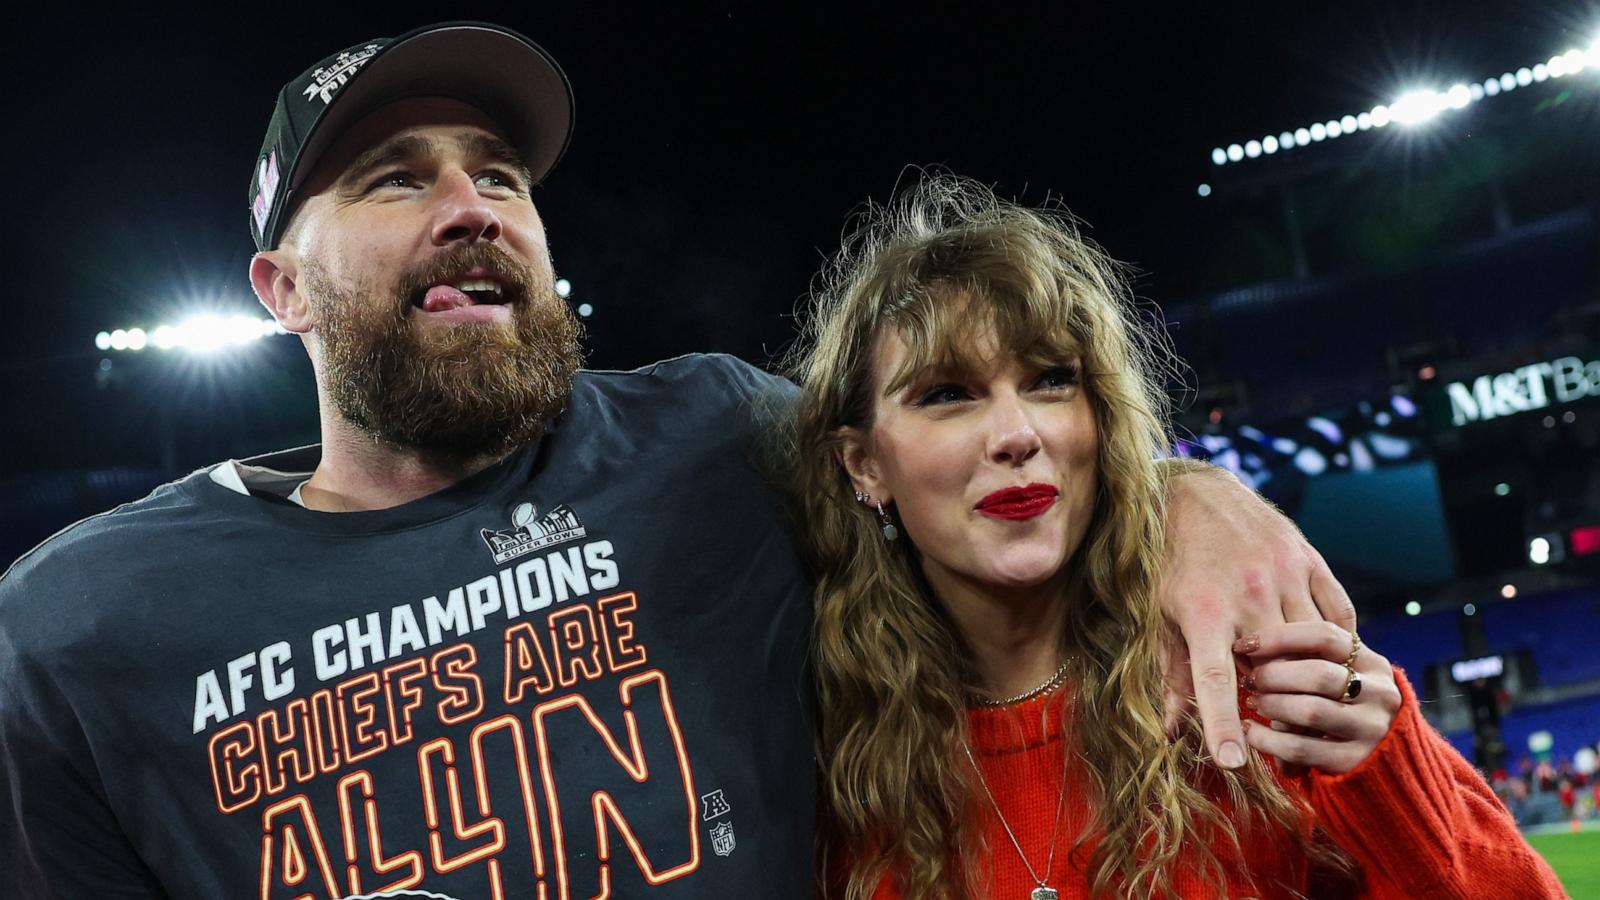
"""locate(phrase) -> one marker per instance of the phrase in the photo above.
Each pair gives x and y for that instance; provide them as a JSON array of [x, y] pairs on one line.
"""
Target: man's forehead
[[432, 117]]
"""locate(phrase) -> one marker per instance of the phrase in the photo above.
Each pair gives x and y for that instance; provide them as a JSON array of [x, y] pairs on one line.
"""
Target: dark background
[[718, 153]]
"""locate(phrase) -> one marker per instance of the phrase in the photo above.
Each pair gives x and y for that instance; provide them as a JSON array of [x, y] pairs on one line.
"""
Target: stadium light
[[1418, 106], [1539, 551], [204, 333], [1413, 608], [563, 288]]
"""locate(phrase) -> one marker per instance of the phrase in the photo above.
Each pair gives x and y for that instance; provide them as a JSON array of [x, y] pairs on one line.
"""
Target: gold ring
[[1352, 687], [1352, 679]]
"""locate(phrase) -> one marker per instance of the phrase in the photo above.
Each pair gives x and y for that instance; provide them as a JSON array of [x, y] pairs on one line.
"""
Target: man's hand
[[1234, 566]]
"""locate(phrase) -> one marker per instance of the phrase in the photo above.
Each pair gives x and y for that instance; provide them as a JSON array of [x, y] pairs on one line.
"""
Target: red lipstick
[[1018, 503]]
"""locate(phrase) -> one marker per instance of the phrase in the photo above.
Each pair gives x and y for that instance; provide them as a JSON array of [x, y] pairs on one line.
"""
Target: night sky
[[718, 152]]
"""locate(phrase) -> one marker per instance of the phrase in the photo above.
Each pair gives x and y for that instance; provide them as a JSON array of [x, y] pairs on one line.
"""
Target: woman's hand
[[1302, 681]]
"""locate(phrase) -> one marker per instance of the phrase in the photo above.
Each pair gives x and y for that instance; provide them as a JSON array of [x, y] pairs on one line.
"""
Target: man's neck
[[359, 472]]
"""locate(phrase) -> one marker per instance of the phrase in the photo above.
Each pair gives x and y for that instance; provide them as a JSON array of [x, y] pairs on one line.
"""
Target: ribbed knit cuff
[[1397, 806]]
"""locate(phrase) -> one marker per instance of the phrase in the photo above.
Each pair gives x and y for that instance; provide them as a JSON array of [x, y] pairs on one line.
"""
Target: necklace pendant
[[1044, 893]]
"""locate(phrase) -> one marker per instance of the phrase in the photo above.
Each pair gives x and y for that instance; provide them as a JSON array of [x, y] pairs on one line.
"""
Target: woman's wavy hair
[[943, 261]]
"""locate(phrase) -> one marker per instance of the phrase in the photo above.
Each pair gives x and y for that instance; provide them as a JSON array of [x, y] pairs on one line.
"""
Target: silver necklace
[[1050, 685], [1044, 891]]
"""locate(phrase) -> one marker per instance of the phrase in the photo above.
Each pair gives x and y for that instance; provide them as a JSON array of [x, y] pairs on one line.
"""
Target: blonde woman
[[976, 460]]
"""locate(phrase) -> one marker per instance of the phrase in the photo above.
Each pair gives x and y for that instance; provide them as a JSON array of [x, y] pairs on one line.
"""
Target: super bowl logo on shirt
[[557, 526]]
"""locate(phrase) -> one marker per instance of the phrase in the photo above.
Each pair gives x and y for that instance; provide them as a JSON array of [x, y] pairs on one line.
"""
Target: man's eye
[[392, 179], [500, 180], [941, 394]]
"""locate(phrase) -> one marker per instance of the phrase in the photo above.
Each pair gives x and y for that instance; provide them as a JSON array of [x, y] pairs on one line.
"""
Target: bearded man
[[512, 629]]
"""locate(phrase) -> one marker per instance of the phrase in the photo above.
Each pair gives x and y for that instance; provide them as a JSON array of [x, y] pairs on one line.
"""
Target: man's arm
[[58, 835], [1234, 565]]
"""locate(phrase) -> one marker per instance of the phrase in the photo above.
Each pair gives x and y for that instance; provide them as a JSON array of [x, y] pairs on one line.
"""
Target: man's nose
[[1012, 438], [463, 214]]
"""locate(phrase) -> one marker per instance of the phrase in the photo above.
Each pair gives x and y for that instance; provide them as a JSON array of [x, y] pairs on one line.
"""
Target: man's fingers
[[1216, 693], [1321, 639], [1329, 595], [1179, 687]]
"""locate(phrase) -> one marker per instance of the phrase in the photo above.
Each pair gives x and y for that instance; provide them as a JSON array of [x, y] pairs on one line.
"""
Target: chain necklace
[[1044, 891], [1050, 685]]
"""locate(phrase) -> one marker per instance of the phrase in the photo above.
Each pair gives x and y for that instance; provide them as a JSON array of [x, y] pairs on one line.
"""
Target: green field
[[1576, 858]]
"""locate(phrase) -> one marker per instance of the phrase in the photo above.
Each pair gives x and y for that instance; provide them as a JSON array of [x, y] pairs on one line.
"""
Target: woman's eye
[[940, 394], [1058, 377]]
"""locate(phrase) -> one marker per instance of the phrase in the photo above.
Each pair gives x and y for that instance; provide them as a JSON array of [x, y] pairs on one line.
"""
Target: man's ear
[[275, 275], [855, 455]]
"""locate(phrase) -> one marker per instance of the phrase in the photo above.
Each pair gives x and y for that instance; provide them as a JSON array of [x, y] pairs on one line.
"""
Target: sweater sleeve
[[1423, 823]]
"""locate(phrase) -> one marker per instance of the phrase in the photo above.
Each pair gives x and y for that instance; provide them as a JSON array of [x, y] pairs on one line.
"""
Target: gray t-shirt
[[578, 672]]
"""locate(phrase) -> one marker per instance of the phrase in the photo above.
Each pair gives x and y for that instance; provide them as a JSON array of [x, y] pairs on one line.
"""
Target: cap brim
[[498, 71]]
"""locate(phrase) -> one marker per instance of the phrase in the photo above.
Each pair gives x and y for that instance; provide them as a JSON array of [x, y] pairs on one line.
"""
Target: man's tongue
[[441, 297]]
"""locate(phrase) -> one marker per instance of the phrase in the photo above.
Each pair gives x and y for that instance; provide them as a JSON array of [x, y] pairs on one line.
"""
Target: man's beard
[[462, 390]]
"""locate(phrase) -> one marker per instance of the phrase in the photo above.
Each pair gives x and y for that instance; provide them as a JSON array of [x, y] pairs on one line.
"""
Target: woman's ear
[[855, 455]]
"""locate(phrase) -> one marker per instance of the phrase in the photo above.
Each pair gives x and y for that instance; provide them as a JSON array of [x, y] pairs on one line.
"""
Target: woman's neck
[[1013, 635]]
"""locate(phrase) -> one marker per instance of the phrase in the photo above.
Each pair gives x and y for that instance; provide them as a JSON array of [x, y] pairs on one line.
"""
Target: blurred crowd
[[1542, 792]]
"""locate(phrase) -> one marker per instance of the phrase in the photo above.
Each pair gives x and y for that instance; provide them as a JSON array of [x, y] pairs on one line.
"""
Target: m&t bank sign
[[1524, 389]]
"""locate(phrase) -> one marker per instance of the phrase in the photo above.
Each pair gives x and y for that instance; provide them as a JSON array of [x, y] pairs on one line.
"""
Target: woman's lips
[[1018, 502]]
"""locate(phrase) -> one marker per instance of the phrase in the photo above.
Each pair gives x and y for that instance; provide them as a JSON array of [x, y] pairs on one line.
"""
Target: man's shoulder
[[46, 578], [708, 373], [697, 389]]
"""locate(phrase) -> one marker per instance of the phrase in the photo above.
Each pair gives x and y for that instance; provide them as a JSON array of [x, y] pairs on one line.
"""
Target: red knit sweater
[[1418, 819]]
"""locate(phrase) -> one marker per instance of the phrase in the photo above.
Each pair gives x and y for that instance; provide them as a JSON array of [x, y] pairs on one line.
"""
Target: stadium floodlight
[[1269, 144], [1203, 190], [563, 288], [1413, 608], [1252, 149], [1416, 107], [205, 333], [1419, 106], [585, 310], [1235, 152]]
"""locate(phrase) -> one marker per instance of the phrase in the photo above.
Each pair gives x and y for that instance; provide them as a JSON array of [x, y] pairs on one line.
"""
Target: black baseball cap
[[510, 78]]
